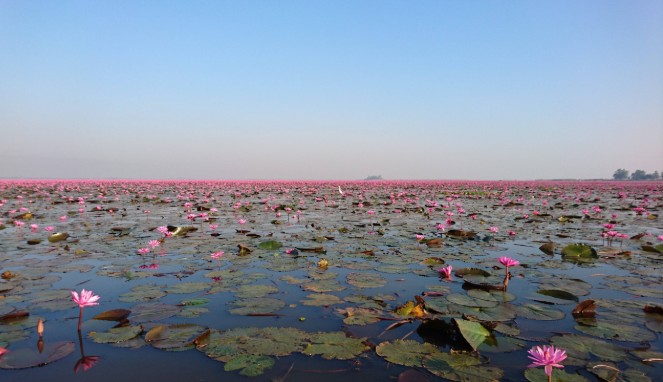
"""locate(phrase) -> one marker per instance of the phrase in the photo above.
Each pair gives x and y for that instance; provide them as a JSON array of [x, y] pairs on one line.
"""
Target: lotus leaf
[[249, 365], [174, 337], [405, 352], [318, 299], [257, 306], [335, 345], [461, 368], [30, 357], [473, 332], [366, 280], [123, 333], [614, 330], [539, 375], [579, 251]]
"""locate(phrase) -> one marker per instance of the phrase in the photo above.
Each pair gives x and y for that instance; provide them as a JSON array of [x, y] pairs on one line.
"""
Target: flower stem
[[80, 318]]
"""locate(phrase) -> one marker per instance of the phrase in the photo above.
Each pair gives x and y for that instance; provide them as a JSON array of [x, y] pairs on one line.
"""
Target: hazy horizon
[[343, 90]]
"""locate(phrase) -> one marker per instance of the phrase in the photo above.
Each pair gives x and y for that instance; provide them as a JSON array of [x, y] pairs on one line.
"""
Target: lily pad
[[319, 299], [123, 333], [366, 280], [335, 345], [405, 352], [461, 368], [23, 358], [579, 251], [473, 332], [270, 245], [174, 337], [257, 306], [539, 312], [614, 330], [250, 365], [539, 375]]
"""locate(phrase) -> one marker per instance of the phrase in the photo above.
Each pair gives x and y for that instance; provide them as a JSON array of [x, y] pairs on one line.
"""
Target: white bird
[[339, 190]]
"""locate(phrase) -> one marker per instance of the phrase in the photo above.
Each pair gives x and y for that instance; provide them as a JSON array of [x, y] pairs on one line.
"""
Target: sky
[[330, 90]]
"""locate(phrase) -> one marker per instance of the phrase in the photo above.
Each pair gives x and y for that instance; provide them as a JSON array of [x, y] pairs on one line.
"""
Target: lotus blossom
[[547, 356], [86, 298], [494, 229], [3, 351], [419, 237], [216, 255], [446, 272], [508, 262]]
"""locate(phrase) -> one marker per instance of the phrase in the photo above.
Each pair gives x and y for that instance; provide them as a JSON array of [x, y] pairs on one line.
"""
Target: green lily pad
[[143, 293], [492, 295], [253, 291], [123, 333], [579, 251], [539, 375], [224, 346], [465, 300], [461, 368], [559, 294], [174, 337], [539, 312], [257, 306], [405, 352], [335, 345], [23, 358], [270, 245], [185, 288], [473, 332], [580, 347], [319, 299], [360, 316], [250, 365], [614, 330], [324, 286], [366, 280]]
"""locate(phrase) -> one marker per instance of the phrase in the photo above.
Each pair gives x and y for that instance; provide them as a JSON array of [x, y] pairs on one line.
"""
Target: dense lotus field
[[330, 281]]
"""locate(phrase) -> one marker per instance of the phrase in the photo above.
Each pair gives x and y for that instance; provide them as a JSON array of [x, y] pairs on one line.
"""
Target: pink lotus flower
[[419, 237], [216, 255], [3, 351], [49, 228], [547, 356], [508, 262], [34, 227], [63, 218], [512, 233], [241, 221], [153, 243], [163, 229], [494, 229], [86, 298], [143, 251], [446, 272]]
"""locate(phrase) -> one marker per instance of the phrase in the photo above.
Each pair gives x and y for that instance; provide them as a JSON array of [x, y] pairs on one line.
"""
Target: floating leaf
[[58, 236], [548, 248], [366, 280], [614, 330], [270, 245], [174, 337], [153, 312], [30, 357], [580, 347], [318, 299], [250, 365], [360, 316], [539, 375], [335, 345], [539, 312], [461, 368], [556, 293], [473, 332], [579, 251], [586, 308], [253, 306], [113, 315], [405, 352], [185, 288], [113, 335]]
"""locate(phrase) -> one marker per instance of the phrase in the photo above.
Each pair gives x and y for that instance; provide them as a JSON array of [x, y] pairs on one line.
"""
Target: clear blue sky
[[330, 89]]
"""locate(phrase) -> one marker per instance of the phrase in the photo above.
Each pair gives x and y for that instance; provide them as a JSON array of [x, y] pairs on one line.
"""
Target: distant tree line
[[623, 174]]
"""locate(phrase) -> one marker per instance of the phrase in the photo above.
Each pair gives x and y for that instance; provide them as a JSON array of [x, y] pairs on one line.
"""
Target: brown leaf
[[653, 309], [548, 248], [112, 315], [15, 315], [586, 308]]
